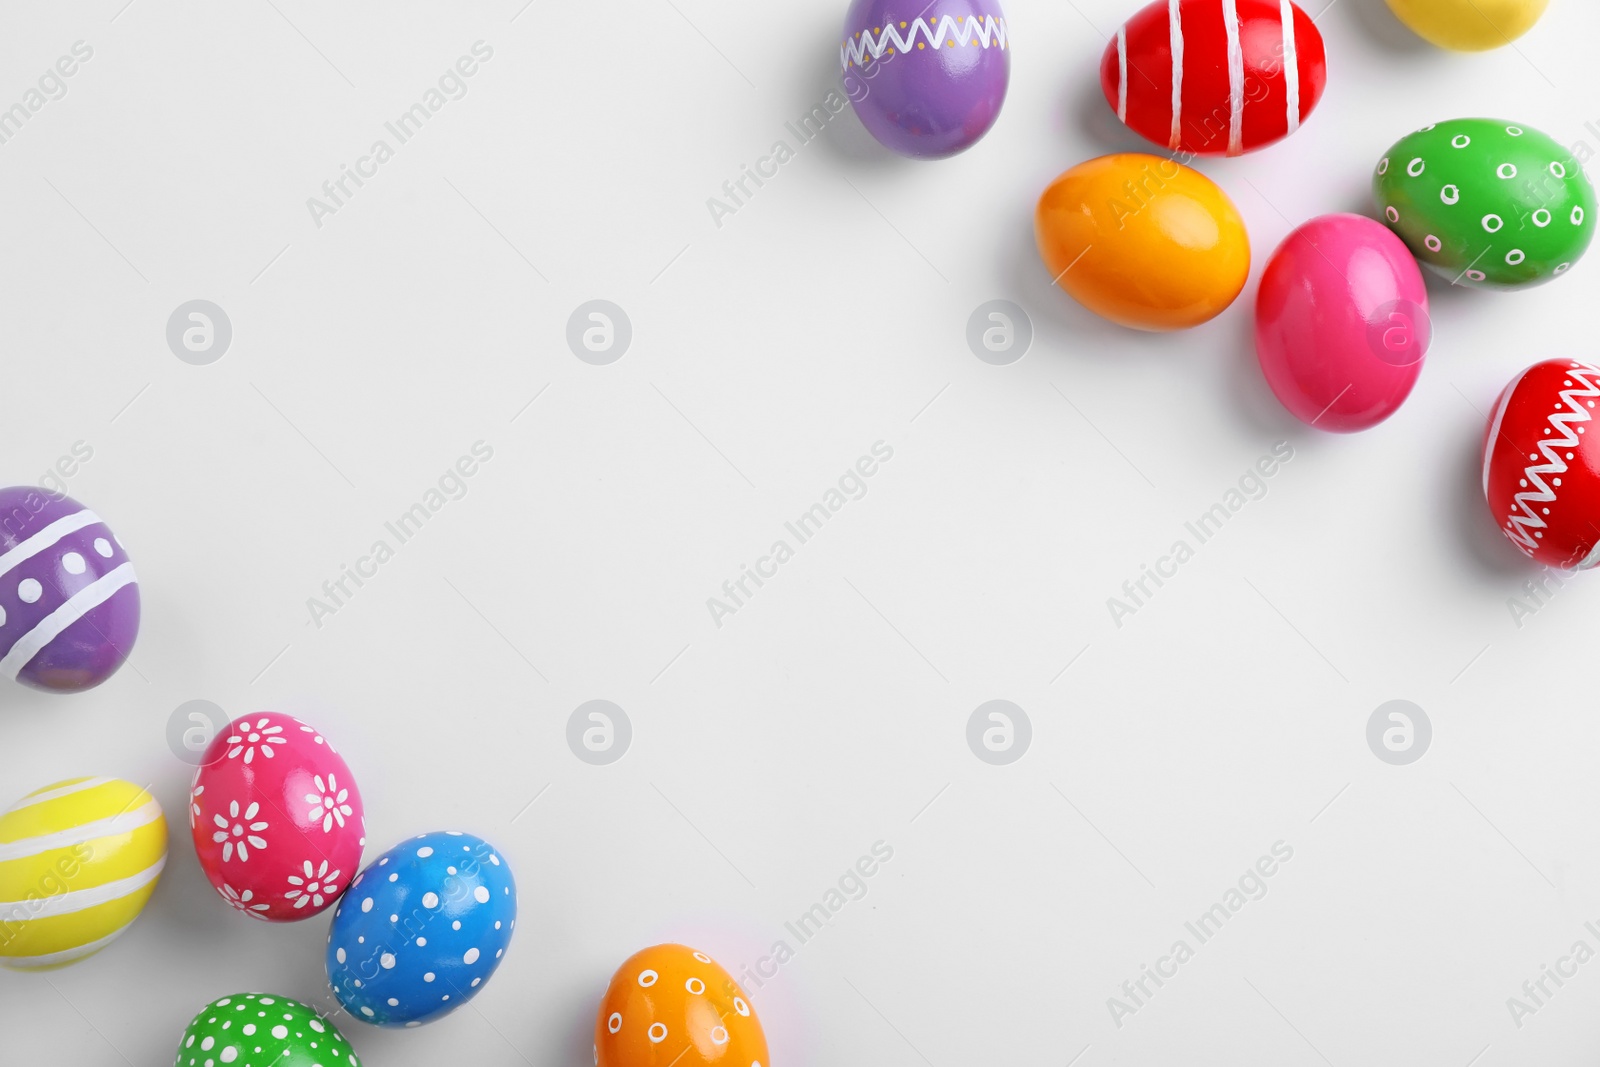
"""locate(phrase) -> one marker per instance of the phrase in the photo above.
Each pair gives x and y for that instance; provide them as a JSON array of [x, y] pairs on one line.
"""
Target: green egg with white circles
[[263, 1030], [1487, 203]]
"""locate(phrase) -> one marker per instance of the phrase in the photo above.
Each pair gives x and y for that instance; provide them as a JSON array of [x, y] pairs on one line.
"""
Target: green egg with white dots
[[1487, 203], [263, 1030]]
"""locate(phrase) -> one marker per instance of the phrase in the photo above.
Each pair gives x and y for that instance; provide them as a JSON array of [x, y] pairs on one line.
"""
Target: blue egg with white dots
[[420, 931]]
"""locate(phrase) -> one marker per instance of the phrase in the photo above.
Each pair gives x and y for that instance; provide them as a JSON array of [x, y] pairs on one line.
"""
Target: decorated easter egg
[[673, 1005], [1143, 241], [1487, 203], [1541, 466], [422, 929], [78, 860], [1342, 323], [263, 1030], [926, 79], [69, 601], [1215, 77], [276, 818], [1469, 25]]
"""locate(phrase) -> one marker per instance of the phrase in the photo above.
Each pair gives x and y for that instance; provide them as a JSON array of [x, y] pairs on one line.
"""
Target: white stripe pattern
[[1175, 30], [80, 899], [46, 538], [1291, 67], [51, 626], [121, 823], [62, 791], [56, 959], [1230, 27], [1122, 72]]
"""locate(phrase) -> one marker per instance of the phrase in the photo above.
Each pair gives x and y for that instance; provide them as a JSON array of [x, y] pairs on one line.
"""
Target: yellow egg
[[1469, 25], [78, 860]]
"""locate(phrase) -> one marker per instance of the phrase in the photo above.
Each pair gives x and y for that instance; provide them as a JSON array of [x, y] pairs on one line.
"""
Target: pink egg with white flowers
[[276, 818]]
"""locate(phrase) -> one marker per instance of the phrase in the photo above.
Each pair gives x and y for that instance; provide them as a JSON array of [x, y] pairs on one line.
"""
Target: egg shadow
[[1085, 113], [844, 140], [1475, 535], [22, 700], [1445, 295], [1386, 30], [1072, 329], [574, 1042], [1248, 393]]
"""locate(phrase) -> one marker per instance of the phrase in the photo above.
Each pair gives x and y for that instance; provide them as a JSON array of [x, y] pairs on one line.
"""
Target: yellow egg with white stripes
[[78, 860]]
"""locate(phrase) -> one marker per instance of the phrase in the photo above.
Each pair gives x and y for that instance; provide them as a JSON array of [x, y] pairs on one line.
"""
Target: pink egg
[[276, 818], [1342, 323]]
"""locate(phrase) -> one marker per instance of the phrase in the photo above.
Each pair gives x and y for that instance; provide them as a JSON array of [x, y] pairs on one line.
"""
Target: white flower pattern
[[317, 885], [242, 901], [252, 739], [238, 833], [194, 804], [329, 803]]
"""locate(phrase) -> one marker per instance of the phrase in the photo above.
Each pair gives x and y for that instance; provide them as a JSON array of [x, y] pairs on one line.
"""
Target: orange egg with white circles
[[670, 1006]]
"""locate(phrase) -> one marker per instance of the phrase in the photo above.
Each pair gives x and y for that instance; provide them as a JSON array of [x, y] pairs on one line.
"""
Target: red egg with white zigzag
[[1215, 77], [1541, 466]]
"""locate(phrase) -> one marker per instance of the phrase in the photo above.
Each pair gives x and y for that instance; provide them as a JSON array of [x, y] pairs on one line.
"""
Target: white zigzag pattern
[[1524, 519], [958, 28]]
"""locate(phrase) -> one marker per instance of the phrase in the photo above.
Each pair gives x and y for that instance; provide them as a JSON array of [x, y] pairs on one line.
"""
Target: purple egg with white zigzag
[[69, 601], [926, 77]]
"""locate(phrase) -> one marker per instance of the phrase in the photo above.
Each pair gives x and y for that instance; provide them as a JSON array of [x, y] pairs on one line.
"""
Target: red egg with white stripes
[[276, 818], [1541, 466], [1215, 77]]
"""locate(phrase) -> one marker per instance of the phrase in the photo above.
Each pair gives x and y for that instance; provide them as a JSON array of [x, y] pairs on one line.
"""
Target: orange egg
[[1143, 241], [671, 1006]]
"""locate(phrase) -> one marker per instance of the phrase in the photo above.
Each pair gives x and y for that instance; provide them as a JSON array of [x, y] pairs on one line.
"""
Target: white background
[[769, 754]]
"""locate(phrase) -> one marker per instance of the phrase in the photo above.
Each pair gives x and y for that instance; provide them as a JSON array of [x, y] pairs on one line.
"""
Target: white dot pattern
[[436, 929]]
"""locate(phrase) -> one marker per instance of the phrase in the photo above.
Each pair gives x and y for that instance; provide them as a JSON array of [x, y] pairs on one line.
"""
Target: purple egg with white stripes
[[69, 601], [927, 79]]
